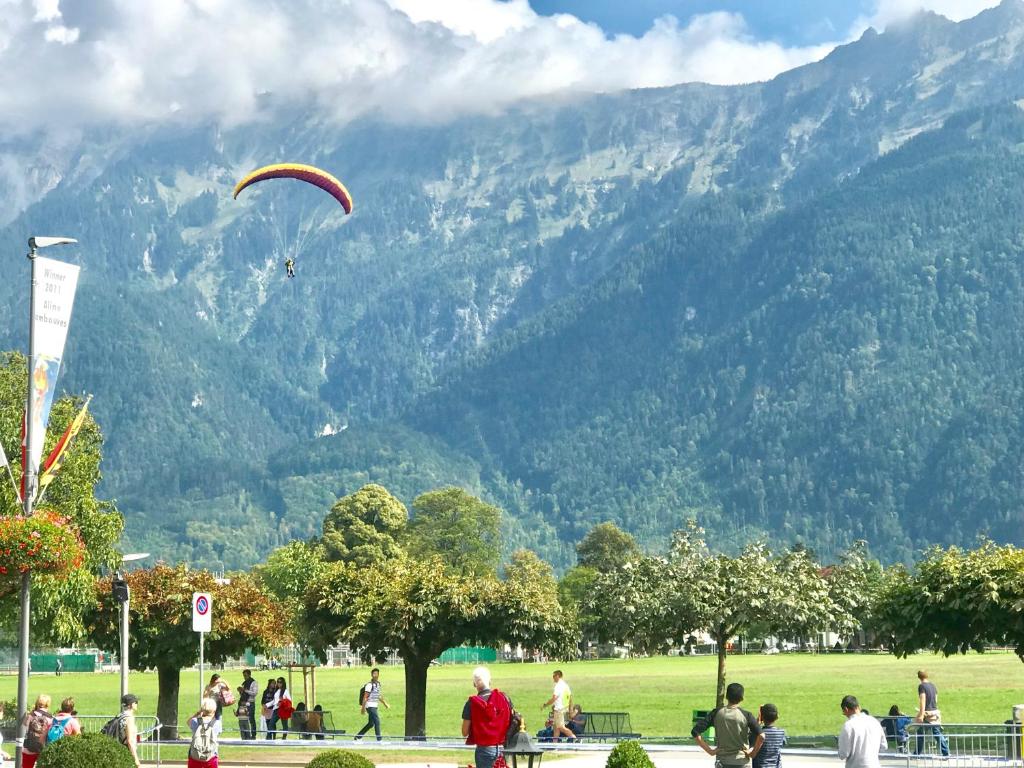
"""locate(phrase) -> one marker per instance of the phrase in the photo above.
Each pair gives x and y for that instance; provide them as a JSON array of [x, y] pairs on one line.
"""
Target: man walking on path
[[733, 727], [862, 737], [559, 702], [928, 714], [371, 698]]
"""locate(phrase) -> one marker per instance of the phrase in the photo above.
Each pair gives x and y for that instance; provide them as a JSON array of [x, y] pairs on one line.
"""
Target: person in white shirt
[[559, 703], [862, 737]]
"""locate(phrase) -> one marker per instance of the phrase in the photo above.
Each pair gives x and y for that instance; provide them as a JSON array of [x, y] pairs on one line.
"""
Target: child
[[896, 727], [770, 755]]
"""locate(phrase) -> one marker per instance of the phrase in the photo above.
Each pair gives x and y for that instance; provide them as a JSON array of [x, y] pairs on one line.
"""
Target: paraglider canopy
[[307, 173]]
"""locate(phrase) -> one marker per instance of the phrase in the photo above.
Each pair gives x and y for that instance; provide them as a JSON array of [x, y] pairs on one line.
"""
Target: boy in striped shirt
[[770, 755]]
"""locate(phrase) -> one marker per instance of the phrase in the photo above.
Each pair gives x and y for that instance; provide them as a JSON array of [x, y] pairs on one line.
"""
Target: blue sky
[[790, 22]]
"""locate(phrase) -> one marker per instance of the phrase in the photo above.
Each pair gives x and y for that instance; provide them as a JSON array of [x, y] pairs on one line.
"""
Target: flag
[[53, 462], [6, 464]]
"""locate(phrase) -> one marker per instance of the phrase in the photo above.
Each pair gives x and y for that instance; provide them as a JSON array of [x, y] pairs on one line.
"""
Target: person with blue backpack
[[64, 722]]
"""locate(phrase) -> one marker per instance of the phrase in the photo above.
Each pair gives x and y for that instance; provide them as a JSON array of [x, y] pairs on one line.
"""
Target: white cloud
[[61, 34], [46, 10], [149, 61]]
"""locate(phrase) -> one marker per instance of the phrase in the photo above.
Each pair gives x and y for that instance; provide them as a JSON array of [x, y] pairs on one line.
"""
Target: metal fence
[[964, 745], [148, 727]]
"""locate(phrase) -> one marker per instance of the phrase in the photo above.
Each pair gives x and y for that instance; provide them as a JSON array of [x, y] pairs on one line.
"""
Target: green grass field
[[659, 693]]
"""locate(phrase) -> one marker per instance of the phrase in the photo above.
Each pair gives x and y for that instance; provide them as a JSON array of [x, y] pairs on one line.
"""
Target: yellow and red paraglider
[[307, 173]]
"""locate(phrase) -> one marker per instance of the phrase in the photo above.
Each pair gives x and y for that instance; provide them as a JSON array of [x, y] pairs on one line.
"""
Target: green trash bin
[[700, 714]]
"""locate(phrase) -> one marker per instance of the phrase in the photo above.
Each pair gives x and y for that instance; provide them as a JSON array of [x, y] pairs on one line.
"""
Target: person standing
[[216, 691], [206, 730], [770, 754], [283, 708], [485, 719], [371, 698], [733, 729], [559, 703], [59, 667], [267, 704], [928, 714], [248, 692], [862, 737], [37, 725], [66, 717]]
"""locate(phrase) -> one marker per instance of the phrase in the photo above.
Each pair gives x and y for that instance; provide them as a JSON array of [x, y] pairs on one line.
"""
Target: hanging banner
[[53, 294]]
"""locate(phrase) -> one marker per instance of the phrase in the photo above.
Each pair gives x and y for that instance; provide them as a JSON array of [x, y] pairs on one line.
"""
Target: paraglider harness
[[289, 266]]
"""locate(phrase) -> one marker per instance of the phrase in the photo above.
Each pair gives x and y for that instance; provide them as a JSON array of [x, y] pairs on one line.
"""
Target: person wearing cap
[[130, 731]]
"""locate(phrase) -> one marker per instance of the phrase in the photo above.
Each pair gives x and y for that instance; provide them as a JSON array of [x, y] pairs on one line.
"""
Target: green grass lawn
[[659, 693]]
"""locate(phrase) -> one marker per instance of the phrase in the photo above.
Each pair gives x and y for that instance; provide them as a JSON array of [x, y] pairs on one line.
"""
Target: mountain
[[786, 308]]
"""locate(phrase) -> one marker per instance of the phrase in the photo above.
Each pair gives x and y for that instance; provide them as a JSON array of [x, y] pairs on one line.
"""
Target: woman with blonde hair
[[206, 730], [37, 725]]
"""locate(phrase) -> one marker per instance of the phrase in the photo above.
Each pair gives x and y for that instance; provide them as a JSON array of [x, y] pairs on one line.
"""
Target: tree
[[855, 585], [459, 527], [956, 600], [287, 575], [59, 603], [606, 547], [574, 590], [421, 606], [364, 527], [244, 616]]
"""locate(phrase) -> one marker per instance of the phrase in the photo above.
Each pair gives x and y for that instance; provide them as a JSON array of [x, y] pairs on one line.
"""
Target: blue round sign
[[202, 605]]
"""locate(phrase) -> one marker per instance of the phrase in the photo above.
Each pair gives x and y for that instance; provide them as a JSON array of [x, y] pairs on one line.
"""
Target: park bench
[[602, 726]]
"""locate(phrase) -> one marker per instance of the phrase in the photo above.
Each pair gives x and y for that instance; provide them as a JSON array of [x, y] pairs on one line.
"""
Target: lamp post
[[35, 244], [122, 594]]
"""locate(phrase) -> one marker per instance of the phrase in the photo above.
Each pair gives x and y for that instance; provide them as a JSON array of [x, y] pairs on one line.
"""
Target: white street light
[[122, 595], [34, 245]]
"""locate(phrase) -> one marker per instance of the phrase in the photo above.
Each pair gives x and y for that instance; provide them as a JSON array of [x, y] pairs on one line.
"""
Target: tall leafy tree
[[245, 615], [364, 527], [58, 603], [420, 605], [606, 547], [287, 574], [462, 529]]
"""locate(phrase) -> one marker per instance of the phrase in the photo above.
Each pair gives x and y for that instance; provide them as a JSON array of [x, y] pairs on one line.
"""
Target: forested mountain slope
[[768, 305]]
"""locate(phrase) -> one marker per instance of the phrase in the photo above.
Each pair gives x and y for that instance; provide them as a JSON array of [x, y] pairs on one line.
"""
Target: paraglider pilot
[[289, 266]]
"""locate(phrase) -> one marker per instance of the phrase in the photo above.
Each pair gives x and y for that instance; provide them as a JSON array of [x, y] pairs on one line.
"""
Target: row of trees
[[379, 579], [953, 600]]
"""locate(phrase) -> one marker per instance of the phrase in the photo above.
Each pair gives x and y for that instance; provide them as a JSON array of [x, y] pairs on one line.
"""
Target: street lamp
[[121, 594], [35, 244]]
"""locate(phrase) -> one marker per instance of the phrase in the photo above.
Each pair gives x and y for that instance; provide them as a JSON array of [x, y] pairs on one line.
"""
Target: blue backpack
[[56, 729]]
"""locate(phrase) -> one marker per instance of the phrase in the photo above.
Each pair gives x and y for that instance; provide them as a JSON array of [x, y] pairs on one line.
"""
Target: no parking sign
[[202, 612]]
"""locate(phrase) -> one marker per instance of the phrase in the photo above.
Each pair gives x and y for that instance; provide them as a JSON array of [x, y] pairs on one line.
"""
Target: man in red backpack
[[485, 719]]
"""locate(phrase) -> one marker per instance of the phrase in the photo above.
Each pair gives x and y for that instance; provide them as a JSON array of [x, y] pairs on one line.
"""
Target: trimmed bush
[[89, 750], [339, 758], [628, 754]]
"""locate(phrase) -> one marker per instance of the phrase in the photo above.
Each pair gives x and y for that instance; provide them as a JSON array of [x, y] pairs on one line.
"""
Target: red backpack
[[285, 709], [488, 720]]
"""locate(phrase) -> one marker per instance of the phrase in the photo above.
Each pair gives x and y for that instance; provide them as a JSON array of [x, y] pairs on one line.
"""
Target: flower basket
[[44, 543]]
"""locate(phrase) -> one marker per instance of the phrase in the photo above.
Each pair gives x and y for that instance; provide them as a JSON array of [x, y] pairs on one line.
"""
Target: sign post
[[202, 622], [50, 301]]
